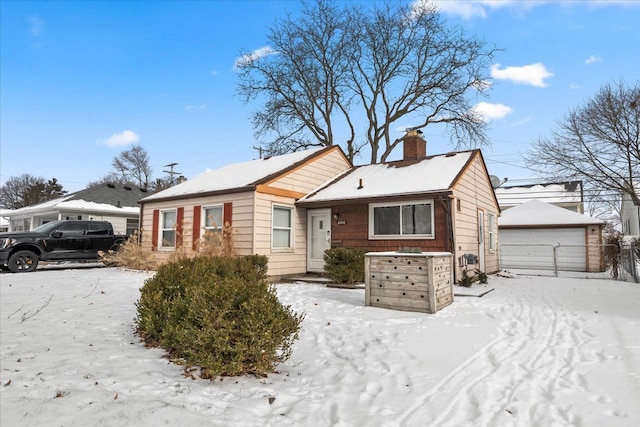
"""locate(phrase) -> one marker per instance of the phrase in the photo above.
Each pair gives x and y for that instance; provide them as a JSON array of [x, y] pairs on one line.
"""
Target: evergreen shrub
[[219, 314], [345, 265]]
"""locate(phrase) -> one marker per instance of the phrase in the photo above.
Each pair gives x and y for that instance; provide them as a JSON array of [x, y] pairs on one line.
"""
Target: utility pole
[[260, 149], [171, 172]]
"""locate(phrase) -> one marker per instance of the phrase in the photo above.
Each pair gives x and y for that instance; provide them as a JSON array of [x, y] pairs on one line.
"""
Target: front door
[[319, 238], [481, 266]]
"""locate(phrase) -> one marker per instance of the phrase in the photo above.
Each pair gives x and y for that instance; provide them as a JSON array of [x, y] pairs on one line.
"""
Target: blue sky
[[81, 81]]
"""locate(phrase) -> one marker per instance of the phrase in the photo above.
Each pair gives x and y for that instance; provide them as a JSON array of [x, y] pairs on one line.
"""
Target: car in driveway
[[69, 240]]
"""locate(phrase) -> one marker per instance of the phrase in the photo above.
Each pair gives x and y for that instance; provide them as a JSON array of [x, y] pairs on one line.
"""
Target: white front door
[[318, 238], [481, 266]]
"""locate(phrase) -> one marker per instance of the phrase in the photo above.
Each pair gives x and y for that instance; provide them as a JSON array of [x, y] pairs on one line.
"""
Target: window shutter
[[179, 227], [154, 229], [196, 227], [226, 216]]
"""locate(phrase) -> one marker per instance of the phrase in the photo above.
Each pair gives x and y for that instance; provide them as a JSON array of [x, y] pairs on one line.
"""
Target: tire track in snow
[[521, 378]]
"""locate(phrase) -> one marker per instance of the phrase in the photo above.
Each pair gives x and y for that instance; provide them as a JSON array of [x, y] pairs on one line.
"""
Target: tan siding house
[[256, 198]]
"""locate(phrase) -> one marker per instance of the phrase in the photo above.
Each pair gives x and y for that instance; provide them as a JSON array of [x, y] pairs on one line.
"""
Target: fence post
[[555, 260]]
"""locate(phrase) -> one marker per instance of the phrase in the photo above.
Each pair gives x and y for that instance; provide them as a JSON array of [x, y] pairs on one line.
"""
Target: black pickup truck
[[56, 241]]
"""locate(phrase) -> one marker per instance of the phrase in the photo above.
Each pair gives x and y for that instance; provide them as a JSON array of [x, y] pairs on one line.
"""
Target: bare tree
[[342, 68], [133, 165], [303, 79], [27, 190], [598, 143]]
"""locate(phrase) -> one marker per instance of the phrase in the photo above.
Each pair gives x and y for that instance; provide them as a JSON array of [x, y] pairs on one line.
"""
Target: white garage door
[[534, 249]]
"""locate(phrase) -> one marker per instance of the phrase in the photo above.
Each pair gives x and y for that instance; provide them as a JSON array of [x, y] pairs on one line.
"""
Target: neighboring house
[[630, 215], [115, 203], [4, 220], [529, 233], [293, 207], [257, 198], [442, 203], [567, 195]]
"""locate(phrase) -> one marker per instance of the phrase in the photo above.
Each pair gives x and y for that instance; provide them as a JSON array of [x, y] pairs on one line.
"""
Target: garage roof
[[540, 213]]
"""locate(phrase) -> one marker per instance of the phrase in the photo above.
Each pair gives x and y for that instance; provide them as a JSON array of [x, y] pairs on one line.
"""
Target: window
[[98, 228], [410, 220], [492, 236], [73, 229], [168, 229], [213, 220], [282, 231]]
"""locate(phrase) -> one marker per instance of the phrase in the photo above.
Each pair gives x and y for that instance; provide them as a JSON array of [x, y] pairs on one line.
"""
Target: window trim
[[291, 228], [161, 230], [373, 236]]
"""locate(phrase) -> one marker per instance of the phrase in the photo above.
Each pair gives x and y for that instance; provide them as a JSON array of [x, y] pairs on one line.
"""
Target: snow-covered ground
[[533, 352]]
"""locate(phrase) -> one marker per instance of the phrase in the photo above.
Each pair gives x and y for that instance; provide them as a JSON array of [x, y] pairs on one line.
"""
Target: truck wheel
[[22, 262]]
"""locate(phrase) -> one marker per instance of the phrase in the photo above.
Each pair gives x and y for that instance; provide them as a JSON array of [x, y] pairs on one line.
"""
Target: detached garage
[[540, 236]]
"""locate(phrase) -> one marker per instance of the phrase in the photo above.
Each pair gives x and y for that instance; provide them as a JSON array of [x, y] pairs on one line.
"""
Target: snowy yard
[[533, 352]]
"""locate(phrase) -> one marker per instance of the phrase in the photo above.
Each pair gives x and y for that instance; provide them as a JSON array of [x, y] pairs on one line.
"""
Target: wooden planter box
[[409, 281]]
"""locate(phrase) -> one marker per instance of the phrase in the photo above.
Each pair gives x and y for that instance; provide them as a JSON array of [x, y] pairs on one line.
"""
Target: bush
[[466, 280], [214, 243], [218, 313], [344, 265], [130, 254]]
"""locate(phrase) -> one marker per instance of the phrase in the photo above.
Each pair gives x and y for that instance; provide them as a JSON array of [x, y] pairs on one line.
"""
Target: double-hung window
[[282, 228], [401, 220], [492, 236], [212, 220], [168, 228]]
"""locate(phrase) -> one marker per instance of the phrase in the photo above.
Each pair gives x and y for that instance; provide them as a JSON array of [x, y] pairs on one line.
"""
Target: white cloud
[[250, 57], [119, 139], [36, 26], [533, 74], [574, 86], [469, 9], [36, 31], [522, 121], [491, 112], [593, 59]]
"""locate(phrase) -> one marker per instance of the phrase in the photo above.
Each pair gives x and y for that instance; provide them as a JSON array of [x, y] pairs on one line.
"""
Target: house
[[568, 195], [630, 215], [4, 220], [293, 207], [431, 203], [539, 235], [257, 198], [115, 203]]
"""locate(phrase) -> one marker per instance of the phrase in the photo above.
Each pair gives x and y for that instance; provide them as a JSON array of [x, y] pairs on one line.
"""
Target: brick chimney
[[415, 146]]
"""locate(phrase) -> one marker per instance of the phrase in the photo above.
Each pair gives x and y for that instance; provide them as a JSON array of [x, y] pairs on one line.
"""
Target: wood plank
[[399, 304], [399, 285], [400, 294]]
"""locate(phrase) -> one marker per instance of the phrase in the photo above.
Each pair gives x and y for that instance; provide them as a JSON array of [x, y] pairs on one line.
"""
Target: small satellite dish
[[495, 181]]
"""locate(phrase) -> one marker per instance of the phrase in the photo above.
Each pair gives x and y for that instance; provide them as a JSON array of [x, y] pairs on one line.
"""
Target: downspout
[[451, 242]]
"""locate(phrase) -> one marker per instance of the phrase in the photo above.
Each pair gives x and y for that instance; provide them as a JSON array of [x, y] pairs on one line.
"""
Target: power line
[[171, 172]]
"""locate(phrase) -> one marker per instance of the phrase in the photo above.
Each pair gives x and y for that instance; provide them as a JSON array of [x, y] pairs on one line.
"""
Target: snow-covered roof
[[563, 192], [104, 199], [433, 174], [64, 203], [239, 176], [537, 213]]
